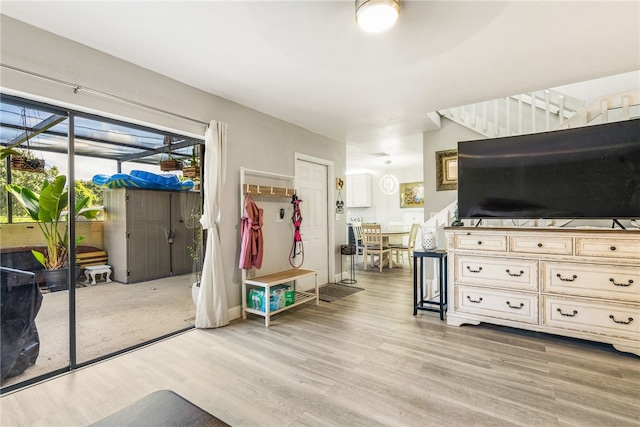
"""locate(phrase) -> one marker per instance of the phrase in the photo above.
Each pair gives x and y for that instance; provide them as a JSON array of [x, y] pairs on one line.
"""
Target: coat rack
[[267, 190]]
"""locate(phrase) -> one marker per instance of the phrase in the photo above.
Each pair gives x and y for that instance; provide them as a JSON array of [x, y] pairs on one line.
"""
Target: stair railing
[[532, 112], [606, 109]]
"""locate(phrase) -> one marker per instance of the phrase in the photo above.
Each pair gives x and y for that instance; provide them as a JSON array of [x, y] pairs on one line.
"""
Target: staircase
[[542, 111], [606, 109], [539, 111]]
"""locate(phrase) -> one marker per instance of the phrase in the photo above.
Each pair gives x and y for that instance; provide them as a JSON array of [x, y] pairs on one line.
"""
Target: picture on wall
[[446, 170], [412, 195]]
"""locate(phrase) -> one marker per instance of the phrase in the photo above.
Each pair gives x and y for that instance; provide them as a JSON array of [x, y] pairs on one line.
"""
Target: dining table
[[390, 234]]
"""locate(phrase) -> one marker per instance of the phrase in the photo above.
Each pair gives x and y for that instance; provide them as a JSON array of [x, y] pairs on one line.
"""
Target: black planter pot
[[57, 279]]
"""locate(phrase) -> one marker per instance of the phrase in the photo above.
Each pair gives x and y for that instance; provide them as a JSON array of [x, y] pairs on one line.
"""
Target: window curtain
[[212, 310]]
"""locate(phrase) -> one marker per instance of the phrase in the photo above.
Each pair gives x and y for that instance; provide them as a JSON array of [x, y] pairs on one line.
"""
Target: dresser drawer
[[541, 245], [618, 248], [480, 241], [622, 320], [517, 306], [592, 280], [512, 273]]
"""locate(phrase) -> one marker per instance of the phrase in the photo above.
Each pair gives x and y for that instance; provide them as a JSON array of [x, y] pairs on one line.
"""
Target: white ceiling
[[307, 63]]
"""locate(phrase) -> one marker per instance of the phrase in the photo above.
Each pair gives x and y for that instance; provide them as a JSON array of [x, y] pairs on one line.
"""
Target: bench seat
[[87, 259]]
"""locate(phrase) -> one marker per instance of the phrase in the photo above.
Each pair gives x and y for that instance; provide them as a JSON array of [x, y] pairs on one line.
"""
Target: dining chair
[[357, 236], [397, 241], [373, 246], [408, 248]]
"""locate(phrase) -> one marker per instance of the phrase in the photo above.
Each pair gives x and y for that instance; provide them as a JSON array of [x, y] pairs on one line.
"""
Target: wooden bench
[[87, 259]]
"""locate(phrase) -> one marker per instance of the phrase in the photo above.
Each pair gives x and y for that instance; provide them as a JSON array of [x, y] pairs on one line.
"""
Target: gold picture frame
[[412, 195], [446, 170]]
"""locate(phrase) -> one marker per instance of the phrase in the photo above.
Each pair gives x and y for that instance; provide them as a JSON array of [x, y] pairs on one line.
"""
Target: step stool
[[95, 270]]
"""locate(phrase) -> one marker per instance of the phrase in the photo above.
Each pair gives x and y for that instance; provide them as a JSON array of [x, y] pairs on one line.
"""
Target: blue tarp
[[143, 179]]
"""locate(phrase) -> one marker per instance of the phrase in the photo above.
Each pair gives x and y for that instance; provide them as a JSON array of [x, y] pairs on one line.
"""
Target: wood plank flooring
[[364, 360]]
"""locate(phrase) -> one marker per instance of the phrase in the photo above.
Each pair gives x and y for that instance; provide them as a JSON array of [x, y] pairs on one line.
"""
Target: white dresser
[[582, 283]]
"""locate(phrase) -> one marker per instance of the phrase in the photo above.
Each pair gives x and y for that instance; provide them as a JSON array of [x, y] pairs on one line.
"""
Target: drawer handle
[[515, 274], [479, 242], [613, 248], [568, 314], [474, 271], [475, 301], [621, 284], [622, 322], [568, 279], [539, 245], [517, 307]]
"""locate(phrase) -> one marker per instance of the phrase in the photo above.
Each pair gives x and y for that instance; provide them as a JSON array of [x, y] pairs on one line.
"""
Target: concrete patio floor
[[110, 317]]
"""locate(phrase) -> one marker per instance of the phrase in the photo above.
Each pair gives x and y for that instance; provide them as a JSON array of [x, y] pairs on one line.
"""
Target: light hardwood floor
[[364, 360]]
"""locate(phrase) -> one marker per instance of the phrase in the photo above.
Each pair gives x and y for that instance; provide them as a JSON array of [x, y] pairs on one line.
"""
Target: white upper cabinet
[[359, 191]]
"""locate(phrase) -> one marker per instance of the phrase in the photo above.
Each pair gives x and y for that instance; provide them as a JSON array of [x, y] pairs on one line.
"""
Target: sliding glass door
[[131, 236]]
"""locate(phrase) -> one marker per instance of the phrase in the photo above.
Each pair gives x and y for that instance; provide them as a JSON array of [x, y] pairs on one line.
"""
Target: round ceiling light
[[388, 184], [375, 16]]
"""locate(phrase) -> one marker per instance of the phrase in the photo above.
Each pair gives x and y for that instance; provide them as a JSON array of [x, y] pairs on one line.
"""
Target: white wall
[[255, 140]]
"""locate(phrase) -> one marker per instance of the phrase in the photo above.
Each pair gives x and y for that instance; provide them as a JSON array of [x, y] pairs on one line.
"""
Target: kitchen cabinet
[[359, 191]]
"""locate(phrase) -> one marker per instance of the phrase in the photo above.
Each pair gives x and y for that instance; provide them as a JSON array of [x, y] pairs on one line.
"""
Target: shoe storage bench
[[274, 279]]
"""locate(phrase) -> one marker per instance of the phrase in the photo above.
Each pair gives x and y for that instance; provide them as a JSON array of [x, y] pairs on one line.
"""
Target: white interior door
[[311, 187]]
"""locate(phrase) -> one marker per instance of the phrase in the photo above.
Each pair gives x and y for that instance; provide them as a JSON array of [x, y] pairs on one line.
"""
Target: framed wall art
[[446, 170], [412, 195]]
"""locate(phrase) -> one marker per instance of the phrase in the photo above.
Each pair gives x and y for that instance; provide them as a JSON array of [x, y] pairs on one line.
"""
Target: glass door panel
[[140, 286], [136, 263], [34, 274]]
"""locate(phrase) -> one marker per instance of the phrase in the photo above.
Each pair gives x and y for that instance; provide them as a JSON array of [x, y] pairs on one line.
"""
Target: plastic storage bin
[[280, 296]]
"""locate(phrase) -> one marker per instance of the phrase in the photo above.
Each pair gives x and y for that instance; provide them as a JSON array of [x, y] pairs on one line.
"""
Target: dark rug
[[161, 408], [335, 291]]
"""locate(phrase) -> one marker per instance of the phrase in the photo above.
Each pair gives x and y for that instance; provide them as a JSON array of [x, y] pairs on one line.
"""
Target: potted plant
[[196, 251], [193, 170], [22, 160], [171, 164], [48, 210]]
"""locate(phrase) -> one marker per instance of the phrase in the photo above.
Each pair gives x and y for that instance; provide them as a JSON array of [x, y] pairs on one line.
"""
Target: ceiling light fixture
[[388, 183], [374, 16]]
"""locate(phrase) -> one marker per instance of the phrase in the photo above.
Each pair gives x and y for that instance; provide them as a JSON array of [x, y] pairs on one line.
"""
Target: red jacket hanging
[[252, 247]]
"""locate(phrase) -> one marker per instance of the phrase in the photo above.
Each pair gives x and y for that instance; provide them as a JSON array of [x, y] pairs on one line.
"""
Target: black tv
[[590, 172]]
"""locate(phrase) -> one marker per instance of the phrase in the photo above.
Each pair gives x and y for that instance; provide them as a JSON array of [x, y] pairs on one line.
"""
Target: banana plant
[[48, 210]]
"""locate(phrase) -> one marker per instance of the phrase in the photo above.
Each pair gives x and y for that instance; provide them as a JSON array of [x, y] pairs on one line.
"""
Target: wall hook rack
[[257, 190]]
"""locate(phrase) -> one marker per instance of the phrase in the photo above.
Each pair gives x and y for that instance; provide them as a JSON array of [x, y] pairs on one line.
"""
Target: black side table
[[428, 305], [350, 251]]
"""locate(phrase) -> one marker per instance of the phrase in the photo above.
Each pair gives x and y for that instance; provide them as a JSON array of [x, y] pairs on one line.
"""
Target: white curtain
[[212, 310]]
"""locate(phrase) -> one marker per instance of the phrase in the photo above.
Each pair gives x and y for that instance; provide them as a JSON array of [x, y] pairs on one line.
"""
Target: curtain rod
[[77, 88]]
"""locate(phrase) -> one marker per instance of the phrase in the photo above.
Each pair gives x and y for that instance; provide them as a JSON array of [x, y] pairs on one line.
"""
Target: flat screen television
[[589, 172]]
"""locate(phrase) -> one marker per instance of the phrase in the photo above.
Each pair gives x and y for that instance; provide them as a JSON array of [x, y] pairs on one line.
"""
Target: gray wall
[[445, 139], [255, 140]]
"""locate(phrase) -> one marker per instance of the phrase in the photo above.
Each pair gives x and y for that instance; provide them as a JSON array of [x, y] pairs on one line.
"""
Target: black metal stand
[[349, 251], [427, 305], [616, 222]]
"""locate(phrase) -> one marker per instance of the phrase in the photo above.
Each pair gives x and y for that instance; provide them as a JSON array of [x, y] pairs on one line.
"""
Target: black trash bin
[[21, 300]]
